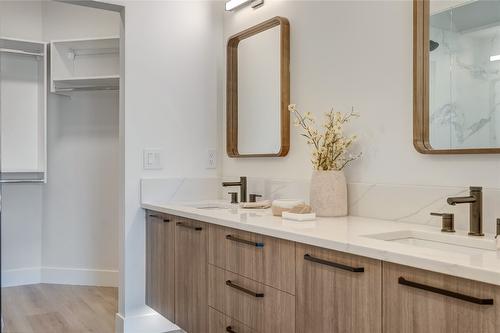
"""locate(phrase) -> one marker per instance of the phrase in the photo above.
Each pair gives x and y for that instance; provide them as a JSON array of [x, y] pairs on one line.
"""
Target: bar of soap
[[299, 217], [283, 205]]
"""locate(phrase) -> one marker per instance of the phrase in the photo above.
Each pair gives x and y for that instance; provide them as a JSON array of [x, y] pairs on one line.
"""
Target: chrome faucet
[[243, 187], [475, 199]]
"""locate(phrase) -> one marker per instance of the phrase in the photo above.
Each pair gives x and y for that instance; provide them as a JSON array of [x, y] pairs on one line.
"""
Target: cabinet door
[[191, 305], [337, 292], [160, 237], [421, 301]]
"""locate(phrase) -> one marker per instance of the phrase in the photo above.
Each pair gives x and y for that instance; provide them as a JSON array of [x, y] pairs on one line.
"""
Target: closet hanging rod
[[89, 88], [21, 52], [18, 181], [94, 52]]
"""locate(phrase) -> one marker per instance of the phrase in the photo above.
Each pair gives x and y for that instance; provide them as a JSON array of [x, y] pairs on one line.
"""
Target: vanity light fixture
[[234, 4], [495, 57]]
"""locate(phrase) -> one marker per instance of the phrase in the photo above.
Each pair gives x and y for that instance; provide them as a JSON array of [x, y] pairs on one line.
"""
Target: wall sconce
[[234, 4]]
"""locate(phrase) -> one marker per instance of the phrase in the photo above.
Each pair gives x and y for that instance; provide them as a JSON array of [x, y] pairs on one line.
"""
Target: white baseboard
[[148, 322], [21, 276], [79, 276], [59, 275]]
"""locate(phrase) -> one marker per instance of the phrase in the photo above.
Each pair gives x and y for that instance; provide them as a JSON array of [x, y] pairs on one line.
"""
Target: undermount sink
[[211, 205], [449, 242]]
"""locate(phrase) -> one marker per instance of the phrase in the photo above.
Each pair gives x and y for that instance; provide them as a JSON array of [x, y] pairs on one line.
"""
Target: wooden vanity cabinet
[[160, 248], [208, 278], [419, 301], [337, 292], [191, 279]]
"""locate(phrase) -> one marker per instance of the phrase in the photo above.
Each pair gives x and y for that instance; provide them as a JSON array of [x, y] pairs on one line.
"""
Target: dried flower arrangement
[[330, 148]]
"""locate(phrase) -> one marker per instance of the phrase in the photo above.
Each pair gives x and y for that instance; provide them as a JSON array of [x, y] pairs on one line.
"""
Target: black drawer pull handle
[[159, 217], [229, 329], [246, 291], [308, 257], [180, 224], [244, 241], [467, 298]]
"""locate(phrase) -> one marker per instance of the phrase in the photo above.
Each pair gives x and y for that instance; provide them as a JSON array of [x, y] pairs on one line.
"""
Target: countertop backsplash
[[400, 203]]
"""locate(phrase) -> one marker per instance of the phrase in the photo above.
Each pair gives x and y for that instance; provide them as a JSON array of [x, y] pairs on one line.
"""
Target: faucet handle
[[234, 197], [253, 197], [448, 221]]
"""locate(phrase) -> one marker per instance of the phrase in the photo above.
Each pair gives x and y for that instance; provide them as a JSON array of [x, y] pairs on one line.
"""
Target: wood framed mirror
[[456, 76], [258, 91]]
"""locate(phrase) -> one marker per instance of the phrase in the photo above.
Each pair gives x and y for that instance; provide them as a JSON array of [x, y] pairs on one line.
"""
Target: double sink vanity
[[214, 267]]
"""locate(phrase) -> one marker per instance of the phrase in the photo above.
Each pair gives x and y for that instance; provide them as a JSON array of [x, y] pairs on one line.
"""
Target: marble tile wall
[[399, 203]]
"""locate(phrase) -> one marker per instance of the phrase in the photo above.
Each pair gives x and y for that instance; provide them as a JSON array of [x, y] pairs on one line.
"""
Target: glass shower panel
[[464, 70]]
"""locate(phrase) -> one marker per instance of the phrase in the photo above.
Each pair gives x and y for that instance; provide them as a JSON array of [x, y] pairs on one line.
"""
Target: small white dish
[[299, 217]]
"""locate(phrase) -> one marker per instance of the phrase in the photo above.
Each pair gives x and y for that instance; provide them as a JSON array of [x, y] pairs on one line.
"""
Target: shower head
[[433, 45]]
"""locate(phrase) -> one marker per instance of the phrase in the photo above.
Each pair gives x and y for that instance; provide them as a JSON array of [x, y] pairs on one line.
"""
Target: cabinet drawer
[[220, 323], [337, 292], [420, 301], [264, 259], [260, 307]]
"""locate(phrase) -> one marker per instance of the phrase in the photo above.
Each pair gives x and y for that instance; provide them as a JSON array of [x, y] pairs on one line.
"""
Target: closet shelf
[[110, 82], [21, 46], [85, 64]]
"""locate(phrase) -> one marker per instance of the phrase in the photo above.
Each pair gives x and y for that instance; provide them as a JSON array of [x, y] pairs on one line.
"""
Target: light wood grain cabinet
[[418, 301], [337, 292], [160, 249], [208, 278], [258, 306], [191, 307], [264, 259], [220, 323]]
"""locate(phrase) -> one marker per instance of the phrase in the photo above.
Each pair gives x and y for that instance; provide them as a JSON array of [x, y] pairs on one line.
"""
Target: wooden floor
[[51, 308]]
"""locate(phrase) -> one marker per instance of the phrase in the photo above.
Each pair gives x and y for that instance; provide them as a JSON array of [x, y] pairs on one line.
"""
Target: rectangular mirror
[[258, 90], [457, 76]]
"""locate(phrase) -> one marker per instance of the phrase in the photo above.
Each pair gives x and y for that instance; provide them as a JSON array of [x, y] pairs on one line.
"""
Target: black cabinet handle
[[180, 224], [246, 291], [244, 241], [467, 298], [308, 257], [159, 217], [230, 329]]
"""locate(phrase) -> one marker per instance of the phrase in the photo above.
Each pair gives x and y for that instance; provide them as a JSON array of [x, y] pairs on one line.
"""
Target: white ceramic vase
[[328, 196]]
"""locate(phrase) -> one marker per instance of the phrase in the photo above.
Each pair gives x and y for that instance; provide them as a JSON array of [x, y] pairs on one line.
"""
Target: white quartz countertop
[[348, 234]]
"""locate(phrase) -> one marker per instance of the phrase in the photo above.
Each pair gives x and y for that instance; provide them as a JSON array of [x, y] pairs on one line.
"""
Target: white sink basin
[[449, 242], [211, 205]]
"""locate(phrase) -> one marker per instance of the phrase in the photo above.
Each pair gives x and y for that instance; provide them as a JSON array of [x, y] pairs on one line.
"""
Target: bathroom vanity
[[218, 269]]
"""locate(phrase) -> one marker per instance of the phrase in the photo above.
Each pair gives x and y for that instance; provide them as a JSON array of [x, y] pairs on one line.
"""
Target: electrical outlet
[[152, 159], [211, 159]]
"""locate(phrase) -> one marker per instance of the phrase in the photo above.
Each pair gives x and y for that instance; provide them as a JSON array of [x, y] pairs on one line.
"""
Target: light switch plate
[[152, 159]]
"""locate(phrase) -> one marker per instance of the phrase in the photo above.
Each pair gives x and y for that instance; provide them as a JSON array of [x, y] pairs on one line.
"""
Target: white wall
[[21, 19], [172, 76], [81, 195], [354, 53]]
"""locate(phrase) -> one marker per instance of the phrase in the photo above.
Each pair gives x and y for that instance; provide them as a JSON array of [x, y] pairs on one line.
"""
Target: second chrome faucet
[[475, 199]]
